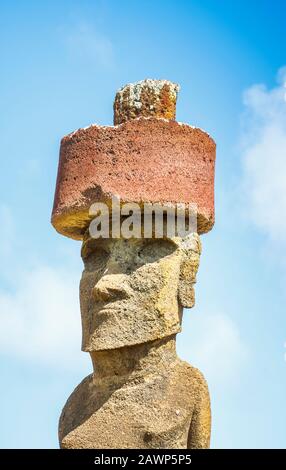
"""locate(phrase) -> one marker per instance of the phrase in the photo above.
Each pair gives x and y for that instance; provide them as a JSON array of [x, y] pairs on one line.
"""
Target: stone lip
[[147, 98], [142, 160]]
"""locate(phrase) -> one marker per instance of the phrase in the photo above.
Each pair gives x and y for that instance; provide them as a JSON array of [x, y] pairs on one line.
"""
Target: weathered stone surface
[[133, 291], [148, 98], [143, 160], [139, 397]]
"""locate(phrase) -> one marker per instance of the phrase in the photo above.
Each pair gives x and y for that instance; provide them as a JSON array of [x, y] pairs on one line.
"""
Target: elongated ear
[[191, 250]]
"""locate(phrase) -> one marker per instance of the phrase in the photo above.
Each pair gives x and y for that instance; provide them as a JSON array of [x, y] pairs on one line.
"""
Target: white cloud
[[40, 319], [86, 43], [264, 157], [214, 345]]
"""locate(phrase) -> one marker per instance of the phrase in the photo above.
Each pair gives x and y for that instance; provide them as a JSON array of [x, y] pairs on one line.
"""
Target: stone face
[[141, 397], [143, 160], [148, 98], [133, 291]]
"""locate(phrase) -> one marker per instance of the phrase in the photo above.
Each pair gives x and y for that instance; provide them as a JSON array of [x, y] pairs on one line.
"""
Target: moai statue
[[133, 290]]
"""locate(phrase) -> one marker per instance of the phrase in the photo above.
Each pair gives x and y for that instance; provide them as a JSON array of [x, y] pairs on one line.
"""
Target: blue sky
[[61, 63]]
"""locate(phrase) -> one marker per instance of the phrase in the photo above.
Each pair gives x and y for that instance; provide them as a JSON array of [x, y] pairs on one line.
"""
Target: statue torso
[[159, 412]]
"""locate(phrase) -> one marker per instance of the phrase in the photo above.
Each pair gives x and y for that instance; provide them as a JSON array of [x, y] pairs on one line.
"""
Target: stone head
[[133, 290]]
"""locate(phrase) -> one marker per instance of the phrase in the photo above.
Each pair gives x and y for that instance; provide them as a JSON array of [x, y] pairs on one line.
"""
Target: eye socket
[[96, 259], [154, 250]]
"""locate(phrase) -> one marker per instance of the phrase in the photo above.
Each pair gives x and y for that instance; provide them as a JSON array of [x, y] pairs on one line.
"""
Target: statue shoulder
[[191, 378], [77, 404]]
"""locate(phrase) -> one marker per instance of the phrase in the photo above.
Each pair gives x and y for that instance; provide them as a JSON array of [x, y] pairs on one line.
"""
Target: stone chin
[[134, 292], [115, 331]]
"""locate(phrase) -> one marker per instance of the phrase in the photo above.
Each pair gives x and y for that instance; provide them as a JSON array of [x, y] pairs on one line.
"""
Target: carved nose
[[110, 287]]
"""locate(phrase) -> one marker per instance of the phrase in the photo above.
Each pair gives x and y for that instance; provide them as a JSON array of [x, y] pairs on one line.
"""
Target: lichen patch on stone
[[147, 98]]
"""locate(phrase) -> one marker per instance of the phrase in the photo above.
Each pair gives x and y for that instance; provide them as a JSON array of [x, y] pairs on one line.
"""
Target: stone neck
[[134, 363]]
